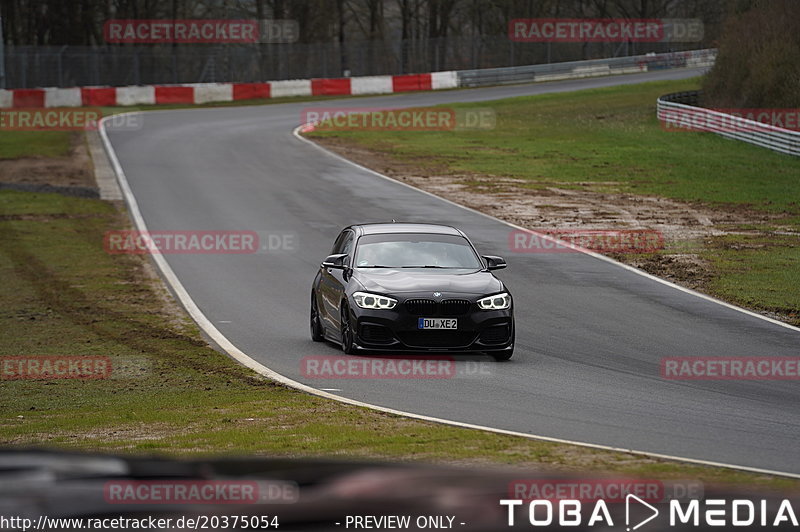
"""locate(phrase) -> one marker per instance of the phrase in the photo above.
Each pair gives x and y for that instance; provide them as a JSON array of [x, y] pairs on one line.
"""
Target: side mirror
[[335, 261], [494, 263]]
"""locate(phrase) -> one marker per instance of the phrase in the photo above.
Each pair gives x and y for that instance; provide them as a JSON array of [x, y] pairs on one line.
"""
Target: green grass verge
[[18, 144], [608, 135], [760, 271], [62, 294], [609, 140]]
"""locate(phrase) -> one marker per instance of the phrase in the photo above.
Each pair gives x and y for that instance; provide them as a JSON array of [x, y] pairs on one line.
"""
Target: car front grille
[[430, 308], [450, 339], [421, 307], [454, 307]]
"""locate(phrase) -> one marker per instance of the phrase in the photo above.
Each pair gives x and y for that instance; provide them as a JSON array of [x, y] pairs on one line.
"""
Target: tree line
[[80, 22]]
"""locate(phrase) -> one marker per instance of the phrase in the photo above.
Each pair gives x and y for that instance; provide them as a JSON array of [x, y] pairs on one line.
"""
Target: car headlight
[[495, 302], [374, 301]]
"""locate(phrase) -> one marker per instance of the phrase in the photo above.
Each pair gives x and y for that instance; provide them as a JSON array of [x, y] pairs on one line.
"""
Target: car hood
[[398, 281]]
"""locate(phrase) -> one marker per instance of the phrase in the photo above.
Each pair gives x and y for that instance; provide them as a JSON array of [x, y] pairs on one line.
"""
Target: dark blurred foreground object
[[319, 494]]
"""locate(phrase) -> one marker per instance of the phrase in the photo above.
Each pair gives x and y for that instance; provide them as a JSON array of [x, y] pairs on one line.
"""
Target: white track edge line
[[208, 327]]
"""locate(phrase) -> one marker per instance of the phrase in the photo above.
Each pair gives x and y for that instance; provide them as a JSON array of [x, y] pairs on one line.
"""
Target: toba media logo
[[565, 502], [410, 119], [605, 503]]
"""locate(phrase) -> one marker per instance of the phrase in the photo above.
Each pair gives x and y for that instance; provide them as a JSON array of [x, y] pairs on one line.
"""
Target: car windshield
[[412, 250]]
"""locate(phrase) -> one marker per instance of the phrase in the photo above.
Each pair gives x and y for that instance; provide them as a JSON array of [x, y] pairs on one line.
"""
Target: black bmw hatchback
[[399, 287]]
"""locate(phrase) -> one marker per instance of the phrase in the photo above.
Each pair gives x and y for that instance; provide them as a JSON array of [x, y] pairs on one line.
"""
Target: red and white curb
[[199, 93]]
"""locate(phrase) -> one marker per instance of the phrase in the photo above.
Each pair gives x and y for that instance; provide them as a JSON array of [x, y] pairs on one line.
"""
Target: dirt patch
[[685, 269], [684, 226], [73, 170]]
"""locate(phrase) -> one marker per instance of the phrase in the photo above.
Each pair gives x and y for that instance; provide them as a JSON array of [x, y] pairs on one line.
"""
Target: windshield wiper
[[428, 266], [376, 266]]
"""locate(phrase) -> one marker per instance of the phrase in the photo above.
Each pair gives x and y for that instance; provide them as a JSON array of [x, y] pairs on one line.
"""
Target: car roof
[[395, 227]]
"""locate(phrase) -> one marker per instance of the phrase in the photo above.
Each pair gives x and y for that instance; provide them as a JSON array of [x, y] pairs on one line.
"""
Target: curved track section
[[590, 332]]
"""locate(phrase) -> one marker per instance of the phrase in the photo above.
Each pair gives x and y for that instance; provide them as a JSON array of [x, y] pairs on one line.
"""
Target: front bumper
[[396, 330]]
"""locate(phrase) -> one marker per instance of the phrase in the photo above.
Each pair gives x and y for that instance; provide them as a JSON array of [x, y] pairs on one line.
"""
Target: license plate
[[437, 323]]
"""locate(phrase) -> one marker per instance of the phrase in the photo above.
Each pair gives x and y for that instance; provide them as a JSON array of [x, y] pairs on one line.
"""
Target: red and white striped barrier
[[199, 93]]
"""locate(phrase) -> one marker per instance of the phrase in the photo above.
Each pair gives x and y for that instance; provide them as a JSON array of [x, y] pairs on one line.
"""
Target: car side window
[[337, 245], [347, 246]]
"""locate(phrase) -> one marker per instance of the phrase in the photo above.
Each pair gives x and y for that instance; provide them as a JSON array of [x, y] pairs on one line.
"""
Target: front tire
[[317, 334], [348, 345]]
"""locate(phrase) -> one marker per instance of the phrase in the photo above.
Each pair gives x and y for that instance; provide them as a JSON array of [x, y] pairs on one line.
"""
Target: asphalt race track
[[590, 333]]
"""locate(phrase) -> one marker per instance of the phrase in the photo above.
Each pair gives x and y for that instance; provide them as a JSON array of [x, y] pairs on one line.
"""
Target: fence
[[121, 65], [196, 93], [578, 69], [680, 110]]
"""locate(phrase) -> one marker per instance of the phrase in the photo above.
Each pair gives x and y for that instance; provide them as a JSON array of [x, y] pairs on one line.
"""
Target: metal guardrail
[[680, 111], [692, 98], [590, 68]]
